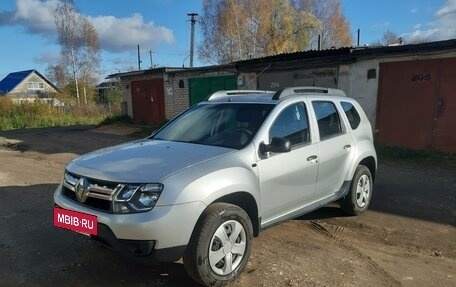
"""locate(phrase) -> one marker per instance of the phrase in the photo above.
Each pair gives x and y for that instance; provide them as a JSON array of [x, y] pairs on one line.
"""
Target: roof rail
[[307, 90], [234, 93]]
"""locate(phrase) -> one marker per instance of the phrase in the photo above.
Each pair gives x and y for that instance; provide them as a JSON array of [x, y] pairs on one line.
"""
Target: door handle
[[312, 158], [347, 146]]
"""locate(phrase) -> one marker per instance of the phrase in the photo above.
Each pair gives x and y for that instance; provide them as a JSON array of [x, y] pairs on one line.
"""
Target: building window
[[35, 86]]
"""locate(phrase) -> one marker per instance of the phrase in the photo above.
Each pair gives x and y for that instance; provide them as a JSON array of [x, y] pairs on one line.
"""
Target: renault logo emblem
[[82, 189]]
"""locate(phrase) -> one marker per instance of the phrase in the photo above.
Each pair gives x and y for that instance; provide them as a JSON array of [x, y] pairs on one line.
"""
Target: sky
[[28, 35]]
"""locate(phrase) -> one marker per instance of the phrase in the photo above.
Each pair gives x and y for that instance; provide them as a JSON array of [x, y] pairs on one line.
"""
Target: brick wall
[[176, 97]]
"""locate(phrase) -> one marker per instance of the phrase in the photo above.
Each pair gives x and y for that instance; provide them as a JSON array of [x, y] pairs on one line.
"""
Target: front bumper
[[163, 232], [137, 248]]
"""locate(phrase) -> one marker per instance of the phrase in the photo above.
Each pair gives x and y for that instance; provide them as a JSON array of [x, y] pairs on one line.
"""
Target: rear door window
[[328, 118]]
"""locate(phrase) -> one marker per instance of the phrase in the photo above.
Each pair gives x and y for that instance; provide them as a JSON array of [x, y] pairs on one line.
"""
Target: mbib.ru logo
[[79, 222]]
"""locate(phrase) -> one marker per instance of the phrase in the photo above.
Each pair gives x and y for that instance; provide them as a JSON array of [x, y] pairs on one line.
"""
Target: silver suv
[[211, 179]]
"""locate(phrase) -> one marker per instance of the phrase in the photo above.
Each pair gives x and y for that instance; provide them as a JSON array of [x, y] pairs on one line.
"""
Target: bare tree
[[79, 44], [333, 27], [388, 38], [89, 59], [56, 74], [68, 23]]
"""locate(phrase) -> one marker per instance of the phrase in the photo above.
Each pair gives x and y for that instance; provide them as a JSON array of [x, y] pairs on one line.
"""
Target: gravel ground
[[407, 238]]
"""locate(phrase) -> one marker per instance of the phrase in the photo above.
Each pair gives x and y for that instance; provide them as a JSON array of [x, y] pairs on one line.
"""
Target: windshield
[[231, 125]]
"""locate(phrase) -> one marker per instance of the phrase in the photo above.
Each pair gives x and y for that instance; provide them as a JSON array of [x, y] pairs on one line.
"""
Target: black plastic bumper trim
[[139, 249]]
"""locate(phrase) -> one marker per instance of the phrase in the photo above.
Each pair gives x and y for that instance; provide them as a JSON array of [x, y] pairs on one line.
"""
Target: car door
[[335, 148], [287, 180]]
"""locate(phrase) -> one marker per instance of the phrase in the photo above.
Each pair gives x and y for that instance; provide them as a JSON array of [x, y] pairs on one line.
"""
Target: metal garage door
[[148, 101], [201, 88], [445, 126], [416, 104]]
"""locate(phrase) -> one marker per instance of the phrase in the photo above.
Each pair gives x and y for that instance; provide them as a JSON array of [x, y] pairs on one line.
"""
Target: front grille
[[96, 194]]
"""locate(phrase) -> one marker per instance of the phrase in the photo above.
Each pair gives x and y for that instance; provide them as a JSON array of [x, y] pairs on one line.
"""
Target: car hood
[[143, 160]]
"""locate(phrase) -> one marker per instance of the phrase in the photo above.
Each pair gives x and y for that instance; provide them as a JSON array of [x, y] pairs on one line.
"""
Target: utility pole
[[139, 60], [359, 36], [150, 54], [192, 35]]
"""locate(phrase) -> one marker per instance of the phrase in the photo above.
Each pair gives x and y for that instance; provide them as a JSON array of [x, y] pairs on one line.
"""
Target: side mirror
[[277, 145]]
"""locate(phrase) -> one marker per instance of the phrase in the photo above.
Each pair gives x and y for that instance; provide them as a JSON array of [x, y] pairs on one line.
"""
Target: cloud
[[443, 26], [115, 34], [35, 16], [123, 34], [47, 58], [414, 10]]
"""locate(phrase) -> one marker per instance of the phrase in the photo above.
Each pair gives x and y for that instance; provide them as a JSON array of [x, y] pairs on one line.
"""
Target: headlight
[[136, 197]]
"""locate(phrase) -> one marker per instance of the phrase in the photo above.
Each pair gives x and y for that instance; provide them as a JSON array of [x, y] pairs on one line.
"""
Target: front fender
[[209, 187]]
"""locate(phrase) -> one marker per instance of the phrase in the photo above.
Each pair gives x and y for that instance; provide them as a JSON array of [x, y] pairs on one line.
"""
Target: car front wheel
[[220, 245]]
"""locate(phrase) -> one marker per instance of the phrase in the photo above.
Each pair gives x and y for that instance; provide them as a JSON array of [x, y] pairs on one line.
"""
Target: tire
[[223, 234], [359, 196]]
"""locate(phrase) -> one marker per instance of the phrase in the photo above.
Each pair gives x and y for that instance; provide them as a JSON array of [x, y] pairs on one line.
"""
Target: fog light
[[121, 207]]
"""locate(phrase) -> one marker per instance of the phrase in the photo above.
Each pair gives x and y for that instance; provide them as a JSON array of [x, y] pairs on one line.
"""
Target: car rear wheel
[[220, 245], [358, 198]]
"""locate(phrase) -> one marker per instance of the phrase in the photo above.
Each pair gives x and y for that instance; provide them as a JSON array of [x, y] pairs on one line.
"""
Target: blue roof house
[[28, 84]]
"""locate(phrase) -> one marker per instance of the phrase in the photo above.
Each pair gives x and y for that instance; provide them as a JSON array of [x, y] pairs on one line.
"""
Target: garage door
[[148, 101], [416, 104], [201, 88]]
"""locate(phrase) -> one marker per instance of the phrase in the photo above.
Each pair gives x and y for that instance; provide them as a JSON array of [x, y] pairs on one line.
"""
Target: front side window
[[292, 124], [352, 114], [328, 118], [231, 125]]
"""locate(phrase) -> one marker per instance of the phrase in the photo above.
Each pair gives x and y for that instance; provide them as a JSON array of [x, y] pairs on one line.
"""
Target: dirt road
[[407, 238]]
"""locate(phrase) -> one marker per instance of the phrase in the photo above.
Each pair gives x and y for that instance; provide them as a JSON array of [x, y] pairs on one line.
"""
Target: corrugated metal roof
[[12, 80], [299, 55], [171, 70], [362, 51], [310, 58]]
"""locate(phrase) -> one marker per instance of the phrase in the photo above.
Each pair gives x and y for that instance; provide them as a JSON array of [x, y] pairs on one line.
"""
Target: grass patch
[[405, 154], [117, 119], [41, 115]]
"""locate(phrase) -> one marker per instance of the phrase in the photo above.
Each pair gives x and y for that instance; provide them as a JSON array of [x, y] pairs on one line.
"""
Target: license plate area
[[76, 221]]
